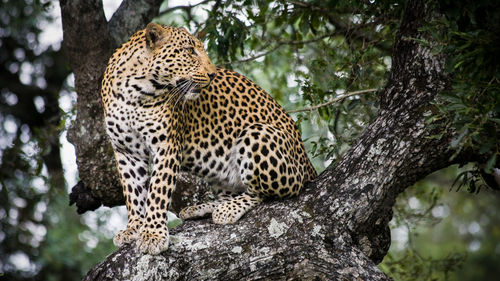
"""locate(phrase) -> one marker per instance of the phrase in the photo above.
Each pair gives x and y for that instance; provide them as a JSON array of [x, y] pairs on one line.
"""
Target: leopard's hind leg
[[231, 211], [266, 161], [204, 209]]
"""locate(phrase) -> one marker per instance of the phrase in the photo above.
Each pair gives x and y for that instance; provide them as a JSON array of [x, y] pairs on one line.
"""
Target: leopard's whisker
[[193, 86], [175, 92], [177, 101], [186, 86], [182, 91]]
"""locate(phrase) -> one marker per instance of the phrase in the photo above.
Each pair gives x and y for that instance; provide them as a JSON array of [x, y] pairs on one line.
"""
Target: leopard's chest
[[134, 131]]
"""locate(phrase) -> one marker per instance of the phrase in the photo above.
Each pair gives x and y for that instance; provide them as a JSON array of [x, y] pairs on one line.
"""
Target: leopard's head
[[177, 61]]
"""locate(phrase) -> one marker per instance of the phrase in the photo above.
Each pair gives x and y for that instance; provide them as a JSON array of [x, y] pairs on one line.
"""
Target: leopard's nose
[[211, 76]]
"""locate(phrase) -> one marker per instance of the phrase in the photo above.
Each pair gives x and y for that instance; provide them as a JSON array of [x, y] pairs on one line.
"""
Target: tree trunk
[[336, 229], [89, 41]]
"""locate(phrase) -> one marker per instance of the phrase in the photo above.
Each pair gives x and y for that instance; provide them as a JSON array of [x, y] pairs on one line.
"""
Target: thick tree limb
[[287, 247], [89, 44]]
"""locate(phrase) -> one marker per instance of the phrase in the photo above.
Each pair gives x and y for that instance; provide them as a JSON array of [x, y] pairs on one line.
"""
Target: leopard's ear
[[155, 33]]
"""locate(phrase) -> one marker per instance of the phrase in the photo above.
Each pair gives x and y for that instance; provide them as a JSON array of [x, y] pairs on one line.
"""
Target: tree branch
[[337, 99], [131, 16]]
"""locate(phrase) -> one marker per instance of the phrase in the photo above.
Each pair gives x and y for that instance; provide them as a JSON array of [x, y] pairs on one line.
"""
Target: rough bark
[[131, 16], [89, 42], [336, 229]]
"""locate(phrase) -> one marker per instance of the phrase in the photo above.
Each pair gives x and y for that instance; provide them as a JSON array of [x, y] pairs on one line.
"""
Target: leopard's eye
[[190, 50]]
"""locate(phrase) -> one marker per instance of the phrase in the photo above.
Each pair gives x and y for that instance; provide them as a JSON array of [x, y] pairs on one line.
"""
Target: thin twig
[[187, 8], [333, 100]]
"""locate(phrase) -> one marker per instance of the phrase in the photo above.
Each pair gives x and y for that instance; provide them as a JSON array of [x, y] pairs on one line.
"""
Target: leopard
[[168, 109]]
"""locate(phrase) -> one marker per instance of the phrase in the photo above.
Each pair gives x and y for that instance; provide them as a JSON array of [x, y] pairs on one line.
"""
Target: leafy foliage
[[469, 33]]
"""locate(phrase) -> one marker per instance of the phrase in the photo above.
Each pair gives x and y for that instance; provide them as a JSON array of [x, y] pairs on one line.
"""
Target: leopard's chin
[[193, 94]]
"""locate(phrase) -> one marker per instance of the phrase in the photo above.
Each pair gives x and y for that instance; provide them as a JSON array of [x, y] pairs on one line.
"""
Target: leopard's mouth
[[187, 88]]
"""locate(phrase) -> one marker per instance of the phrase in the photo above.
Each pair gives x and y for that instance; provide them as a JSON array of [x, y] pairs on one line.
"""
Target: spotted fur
[[167, 108]]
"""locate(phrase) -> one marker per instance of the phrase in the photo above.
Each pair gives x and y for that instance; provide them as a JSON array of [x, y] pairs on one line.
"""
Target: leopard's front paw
[[125, 236], [186, 213], [152, 241]]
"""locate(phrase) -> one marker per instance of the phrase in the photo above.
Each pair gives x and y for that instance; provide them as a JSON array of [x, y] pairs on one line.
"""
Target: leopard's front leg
[[134, 178], [153, 238]]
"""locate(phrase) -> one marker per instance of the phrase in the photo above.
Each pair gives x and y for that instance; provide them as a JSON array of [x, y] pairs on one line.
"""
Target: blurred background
[[303, 56]]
